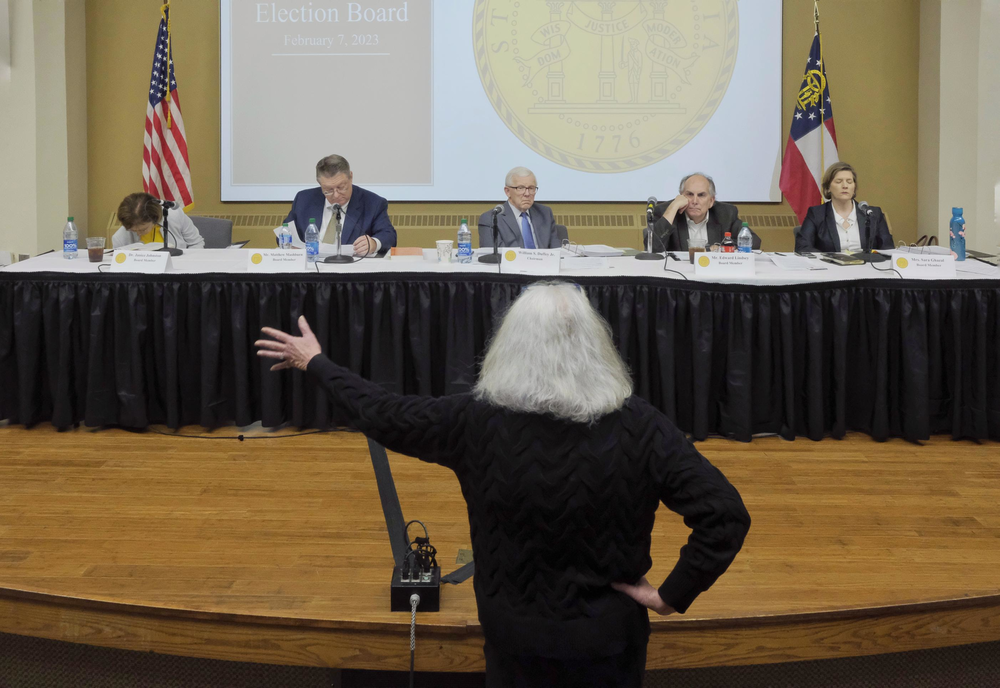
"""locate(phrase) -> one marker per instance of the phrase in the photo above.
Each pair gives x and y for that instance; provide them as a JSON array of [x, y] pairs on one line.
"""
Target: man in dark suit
[[364, 215], [695, 213], [523, 223]]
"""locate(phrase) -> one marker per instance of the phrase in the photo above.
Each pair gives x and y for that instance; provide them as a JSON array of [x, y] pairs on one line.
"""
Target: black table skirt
[[887, 358]]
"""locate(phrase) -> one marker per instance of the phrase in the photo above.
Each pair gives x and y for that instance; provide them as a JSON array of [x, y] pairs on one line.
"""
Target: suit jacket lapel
[[513, 226], [356, 208], [831, 227], [713, 229], [683, 236]]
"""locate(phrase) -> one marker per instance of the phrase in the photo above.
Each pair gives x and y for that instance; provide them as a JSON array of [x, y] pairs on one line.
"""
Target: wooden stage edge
[[674, 643], [275, 550]]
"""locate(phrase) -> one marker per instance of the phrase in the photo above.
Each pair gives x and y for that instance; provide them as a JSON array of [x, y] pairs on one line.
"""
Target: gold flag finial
[[816, 15]]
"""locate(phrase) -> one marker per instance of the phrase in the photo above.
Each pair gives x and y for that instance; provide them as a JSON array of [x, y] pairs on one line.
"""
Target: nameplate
[[275, 260], [719, 264], [148, 262], [924, 266], [520, 261]]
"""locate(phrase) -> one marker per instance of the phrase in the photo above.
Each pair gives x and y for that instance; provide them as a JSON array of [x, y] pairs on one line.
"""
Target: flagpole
[[166, 18], [822, 104]]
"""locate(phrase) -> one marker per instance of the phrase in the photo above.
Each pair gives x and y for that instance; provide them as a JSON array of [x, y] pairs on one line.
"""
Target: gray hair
[[331, 166], [711, 182], [553, 354], [517, 172]]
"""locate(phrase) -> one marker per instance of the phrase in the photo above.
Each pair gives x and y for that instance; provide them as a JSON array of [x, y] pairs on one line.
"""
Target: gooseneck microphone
[[337, 257], [867, 253], [495, 256], [167, 206], [647, 235]]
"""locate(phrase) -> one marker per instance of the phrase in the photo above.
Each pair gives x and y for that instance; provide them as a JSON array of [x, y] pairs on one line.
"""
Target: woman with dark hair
[[838, 225], [562, 469], [141, 216]]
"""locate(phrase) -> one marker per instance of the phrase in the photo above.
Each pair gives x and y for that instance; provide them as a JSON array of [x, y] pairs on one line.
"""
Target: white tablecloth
[[234, 261]]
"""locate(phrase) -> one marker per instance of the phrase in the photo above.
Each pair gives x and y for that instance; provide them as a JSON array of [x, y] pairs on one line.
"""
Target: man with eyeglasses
[[364, 215], [523, 223]]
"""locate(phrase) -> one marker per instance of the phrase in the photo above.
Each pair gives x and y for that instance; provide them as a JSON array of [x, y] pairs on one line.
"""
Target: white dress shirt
[[328, 217], [698, 232], [516, 214], [847, 228]]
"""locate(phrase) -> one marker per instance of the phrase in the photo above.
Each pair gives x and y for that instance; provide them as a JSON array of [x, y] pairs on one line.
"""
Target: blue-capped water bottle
[[312, 241], [956, 229], [744, 241], [70, 236], [285, 238], [464, 242]]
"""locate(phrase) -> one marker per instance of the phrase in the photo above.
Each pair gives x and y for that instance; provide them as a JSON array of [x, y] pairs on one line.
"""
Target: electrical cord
[[668, 255], [414, 601], [241, 437], [887, 270]]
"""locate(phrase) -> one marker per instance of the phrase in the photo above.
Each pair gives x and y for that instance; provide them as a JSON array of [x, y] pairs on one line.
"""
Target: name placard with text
[[719, 264], [274, 260], [520, 261], [924, 265], [147, 262]]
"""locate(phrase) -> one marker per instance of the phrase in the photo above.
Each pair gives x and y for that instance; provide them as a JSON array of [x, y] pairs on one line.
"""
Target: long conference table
[[800, 353]]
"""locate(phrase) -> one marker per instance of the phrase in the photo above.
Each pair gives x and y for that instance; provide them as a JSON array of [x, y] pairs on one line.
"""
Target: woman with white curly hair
[[562, 468]]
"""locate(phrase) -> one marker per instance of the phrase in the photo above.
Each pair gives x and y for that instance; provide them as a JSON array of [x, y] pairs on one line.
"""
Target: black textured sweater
[[559, 510]]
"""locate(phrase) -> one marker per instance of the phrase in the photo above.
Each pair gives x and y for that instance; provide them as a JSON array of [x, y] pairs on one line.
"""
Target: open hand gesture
[[292, 352]]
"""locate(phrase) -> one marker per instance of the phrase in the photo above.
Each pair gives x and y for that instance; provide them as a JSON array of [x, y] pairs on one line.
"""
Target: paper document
[[591, 250], [977, 267], [795, 262]]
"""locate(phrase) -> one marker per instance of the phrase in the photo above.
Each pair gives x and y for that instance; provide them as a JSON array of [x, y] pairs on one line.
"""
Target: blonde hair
[[553, 354], [832, 172]]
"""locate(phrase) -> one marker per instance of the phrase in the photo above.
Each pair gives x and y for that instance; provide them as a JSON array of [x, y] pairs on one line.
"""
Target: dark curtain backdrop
[[887, 358]]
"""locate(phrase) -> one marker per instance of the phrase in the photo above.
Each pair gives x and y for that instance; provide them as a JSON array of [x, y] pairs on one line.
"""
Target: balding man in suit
[[523, 223]]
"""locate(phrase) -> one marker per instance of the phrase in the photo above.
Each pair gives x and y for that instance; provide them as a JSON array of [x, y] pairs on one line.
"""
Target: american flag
[[812, 143], [165, 170]]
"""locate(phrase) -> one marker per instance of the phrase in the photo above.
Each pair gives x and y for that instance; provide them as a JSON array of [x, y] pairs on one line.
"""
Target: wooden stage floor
[[274, 550]]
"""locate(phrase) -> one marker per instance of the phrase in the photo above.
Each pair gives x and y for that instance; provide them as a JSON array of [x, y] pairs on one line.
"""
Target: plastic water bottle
[[728, 245], [744, 241], [285, 238], [957, 240], [312, 241], [70, 236], [464, 242]]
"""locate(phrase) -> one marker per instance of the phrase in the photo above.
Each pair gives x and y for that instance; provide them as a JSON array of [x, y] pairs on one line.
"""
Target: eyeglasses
[[336, 190], [524, 189]]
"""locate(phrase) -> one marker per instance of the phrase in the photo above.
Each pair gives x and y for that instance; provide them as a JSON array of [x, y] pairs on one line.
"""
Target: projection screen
[[434, 100]]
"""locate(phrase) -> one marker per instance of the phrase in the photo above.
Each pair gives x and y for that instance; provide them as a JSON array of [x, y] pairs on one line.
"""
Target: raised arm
[[429, 428]]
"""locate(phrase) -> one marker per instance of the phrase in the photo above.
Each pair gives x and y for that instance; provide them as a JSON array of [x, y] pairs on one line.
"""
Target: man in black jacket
[[696, 213]]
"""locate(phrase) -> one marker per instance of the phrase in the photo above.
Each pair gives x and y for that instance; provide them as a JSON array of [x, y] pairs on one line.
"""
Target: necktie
[[529, 241]]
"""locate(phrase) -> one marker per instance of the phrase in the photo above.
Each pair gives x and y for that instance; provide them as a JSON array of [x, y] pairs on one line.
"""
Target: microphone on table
[[495, 256], [167, 207], [867, 254], [336, 257], [648, 233]]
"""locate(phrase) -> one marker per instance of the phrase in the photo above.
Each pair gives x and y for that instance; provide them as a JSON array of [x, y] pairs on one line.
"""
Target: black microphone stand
[[649, 255], [495, 256], [867, 255], [166, 232], [338, 258]]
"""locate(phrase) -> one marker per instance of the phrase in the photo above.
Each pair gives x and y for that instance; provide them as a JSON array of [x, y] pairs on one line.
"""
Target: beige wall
[[959, 158], [17, 136], [44, 170]]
